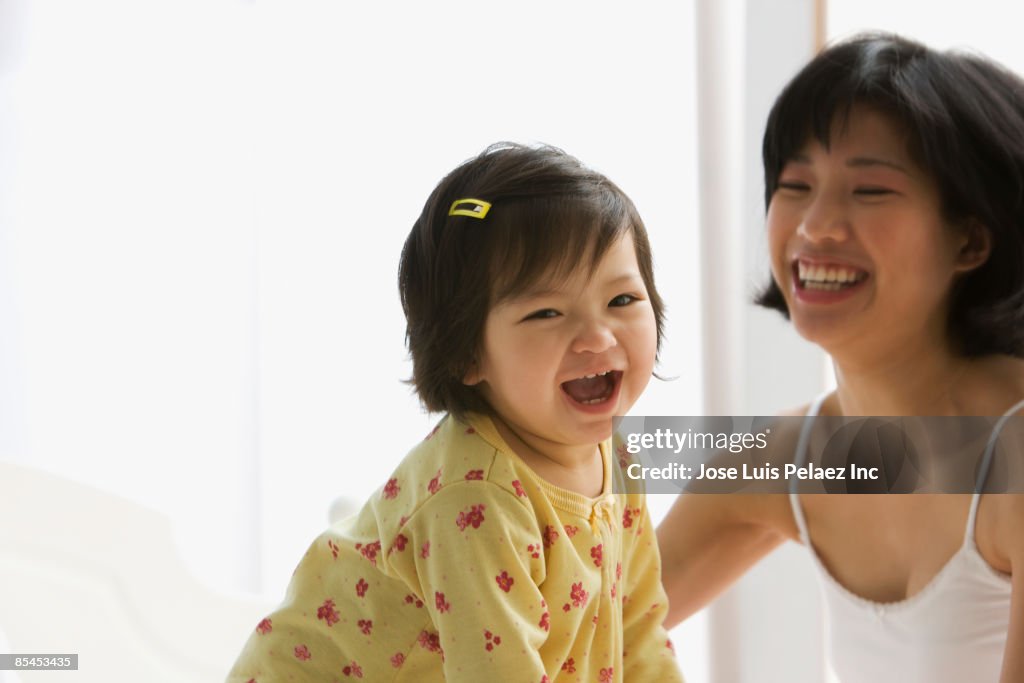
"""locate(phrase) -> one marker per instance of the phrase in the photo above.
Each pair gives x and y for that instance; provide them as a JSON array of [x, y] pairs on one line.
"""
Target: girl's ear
[[473, 375], [975, 247]]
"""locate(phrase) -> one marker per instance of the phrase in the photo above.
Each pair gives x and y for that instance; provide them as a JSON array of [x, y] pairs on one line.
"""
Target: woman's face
[[858, 243]]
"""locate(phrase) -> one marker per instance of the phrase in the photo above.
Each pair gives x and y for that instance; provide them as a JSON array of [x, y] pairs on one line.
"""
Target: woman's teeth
[[828, 278]]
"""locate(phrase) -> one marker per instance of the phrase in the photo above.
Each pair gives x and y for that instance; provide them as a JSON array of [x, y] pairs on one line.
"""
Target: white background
[[202, 204]]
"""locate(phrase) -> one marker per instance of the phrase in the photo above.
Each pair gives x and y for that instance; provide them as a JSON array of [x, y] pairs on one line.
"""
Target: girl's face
[[559, 361], [858, 243]]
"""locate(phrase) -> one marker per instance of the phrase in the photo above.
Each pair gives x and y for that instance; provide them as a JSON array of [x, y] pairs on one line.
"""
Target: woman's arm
[[707, 541]]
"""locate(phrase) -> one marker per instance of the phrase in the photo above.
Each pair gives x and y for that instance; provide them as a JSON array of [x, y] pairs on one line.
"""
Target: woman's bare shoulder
[[828, 406], [795, 411]]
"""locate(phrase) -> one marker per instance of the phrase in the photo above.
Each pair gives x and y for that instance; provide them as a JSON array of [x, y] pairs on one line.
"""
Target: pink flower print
[[545, 621], [571, 530], [543, 679], [475, 475], [670, 646], [400, 541], [361, 587], [334, 548], [615, 590], [549, 536], [302, 653], [402, 520], [391, 489], [353, 669], [618, 570], [504, 581], [430, 642], [397, 660], [623, 455], [441, 604], [366, 626], [370, 551], [606, 675], [326, 612], [425, 550], [474, 517], [435, 484], [520, 491], [627, 517], [569, 666], [470, 430], [413, 600], [596, 553], [264, 627], [578, 595], [534, 550], [493, 641]]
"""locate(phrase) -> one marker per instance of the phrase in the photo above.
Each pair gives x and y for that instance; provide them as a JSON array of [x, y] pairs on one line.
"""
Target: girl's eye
[[623, 300], [543, 314]]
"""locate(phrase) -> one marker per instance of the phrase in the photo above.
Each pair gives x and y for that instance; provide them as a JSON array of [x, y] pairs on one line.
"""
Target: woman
[[894, 182]]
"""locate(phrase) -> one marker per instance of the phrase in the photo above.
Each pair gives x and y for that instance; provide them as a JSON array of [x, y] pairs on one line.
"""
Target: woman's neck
[[919, 388], [926, 380]]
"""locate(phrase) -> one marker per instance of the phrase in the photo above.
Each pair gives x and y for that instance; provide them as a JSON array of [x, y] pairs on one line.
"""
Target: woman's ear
[[975, 246]]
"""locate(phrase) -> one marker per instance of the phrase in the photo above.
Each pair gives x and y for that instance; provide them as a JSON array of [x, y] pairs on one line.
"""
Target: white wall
[[991, 27], [201, 210]]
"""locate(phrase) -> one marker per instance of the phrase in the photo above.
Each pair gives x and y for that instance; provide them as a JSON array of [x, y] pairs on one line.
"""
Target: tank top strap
[[799, 459], [986, 464]]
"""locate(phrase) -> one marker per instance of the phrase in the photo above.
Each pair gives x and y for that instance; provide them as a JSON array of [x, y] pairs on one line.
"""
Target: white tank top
[[952, 631]]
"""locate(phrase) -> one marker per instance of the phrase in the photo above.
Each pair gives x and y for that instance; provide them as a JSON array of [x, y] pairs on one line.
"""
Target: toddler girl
[[496, 551]]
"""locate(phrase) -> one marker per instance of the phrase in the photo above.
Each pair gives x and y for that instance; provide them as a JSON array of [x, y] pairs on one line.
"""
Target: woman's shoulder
[[992, 385], [822, 405], [795, 411]]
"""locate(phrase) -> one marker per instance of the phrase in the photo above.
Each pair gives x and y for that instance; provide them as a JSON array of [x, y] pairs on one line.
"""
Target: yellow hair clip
[[477, 208]]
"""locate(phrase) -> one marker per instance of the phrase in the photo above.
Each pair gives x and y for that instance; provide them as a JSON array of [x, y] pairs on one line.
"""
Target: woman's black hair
[[963, 116]]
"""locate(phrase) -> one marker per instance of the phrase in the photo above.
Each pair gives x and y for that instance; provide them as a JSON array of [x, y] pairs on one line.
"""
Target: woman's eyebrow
[[855, 162], [862, 162]]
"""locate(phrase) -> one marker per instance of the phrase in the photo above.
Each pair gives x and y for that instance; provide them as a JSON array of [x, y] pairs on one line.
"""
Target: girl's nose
[[594, 337]]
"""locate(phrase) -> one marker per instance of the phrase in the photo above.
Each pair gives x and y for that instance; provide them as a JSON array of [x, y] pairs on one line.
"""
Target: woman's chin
[[827, 334]]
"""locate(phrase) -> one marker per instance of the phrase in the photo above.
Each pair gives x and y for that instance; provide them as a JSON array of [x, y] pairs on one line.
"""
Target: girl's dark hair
[[548, 213], [964, 120]]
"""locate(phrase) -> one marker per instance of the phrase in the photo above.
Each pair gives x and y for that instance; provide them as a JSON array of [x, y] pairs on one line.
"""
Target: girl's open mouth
[[593, 390]]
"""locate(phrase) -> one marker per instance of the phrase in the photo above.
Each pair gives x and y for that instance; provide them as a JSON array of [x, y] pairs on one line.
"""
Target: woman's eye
[[622, 300], [542, 314], [793, 186], [872, 191]]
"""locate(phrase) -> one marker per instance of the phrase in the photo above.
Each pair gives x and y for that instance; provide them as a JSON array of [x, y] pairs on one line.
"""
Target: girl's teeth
[[599, 374]]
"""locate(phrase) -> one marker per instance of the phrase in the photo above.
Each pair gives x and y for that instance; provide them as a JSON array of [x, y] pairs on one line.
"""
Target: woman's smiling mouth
[[823, 282]]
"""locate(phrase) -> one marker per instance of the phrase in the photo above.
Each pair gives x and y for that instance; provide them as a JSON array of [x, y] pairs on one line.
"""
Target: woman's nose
[[826, 219]]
